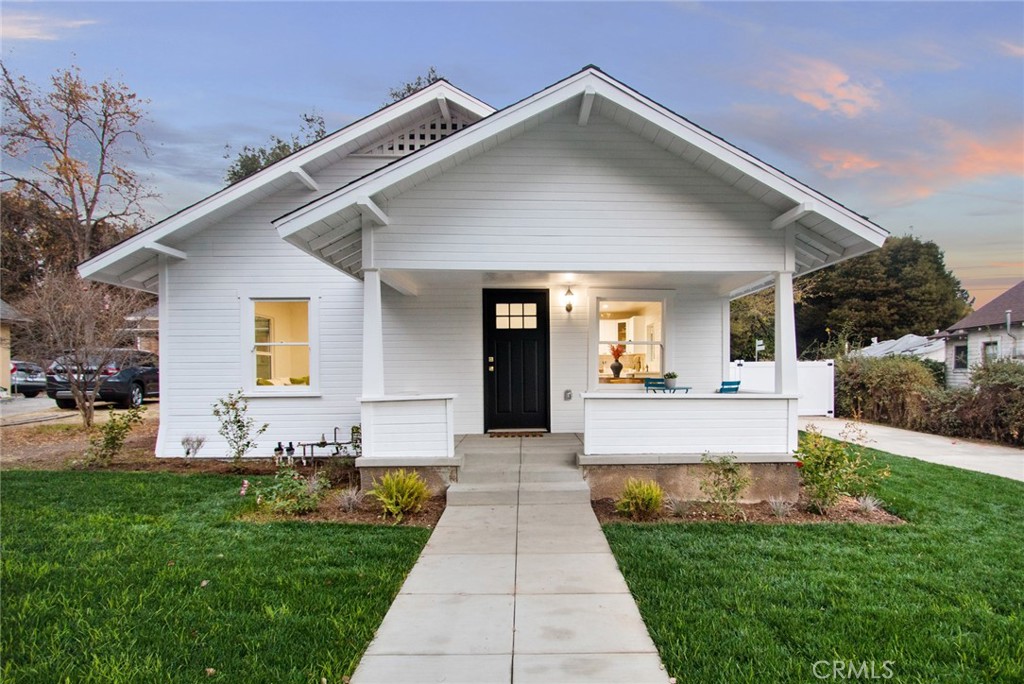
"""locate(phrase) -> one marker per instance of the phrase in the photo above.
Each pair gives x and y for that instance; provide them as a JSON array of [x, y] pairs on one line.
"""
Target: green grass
[[942, 597], [101, 576]]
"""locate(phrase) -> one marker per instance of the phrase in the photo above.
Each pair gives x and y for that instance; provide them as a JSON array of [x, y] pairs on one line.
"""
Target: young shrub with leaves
[[723, 483], [400, 492], [831, 469], [236, 426], [641, 499], [290, 493], [108, 441]]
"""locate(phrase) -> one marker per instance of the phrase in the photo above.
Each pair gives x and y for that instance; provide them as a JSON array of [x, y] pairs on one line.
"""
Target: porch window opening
[[281, 343], [960, 357], [635, 331]]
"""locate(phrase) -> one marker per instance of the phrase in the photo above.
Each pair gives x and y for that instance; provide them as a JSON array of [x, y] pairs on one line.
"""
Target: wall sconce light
[[569, 297]]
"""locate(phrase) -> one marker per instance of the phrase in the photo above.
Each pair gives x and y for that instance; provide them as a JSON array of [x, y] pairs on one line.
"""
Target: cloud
[[838, 163], [1011, 49], [22, 26], [825, 86]]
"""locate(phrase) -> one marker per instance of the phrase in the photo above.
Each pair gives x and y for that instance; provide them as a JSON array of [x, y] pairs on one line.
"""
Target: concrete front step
[[485, 494], [554, 492], [497, 493]]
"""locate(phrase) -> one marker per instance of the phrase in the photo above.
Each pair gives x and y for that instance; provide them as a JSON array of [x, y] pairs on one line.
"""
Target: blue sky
[[910, 113]]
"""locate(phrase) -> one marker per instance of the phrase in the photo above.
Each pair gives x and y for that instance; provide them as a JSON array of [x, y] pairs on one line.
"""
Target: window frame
[[985, 346], [594, 297], [966, 356], [248, 343]]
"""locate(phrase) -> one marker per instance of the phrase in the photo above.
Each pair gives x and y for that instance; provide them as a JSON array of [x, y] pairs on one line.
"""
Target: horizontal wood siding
[[565, 197], [569, 359], [695, 340], [675, 424], [202, 357], [415, 429]]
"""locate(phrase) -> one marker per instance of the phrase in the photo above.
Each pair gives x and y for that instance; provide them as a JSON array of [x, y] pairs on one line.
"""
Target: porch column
[[373, 335], [785, 335]]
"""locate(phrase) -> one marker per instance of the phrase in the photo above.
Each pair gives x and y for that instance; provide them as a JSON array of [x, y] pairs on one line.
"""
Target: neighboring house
[[994, 331], [8, 315], [413, 272], [931, 348], [145, 329]]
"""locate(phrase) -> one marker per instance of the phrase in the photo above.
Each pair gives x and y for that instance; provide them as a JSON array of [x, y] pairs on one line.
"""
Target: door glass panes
[[515, 316]]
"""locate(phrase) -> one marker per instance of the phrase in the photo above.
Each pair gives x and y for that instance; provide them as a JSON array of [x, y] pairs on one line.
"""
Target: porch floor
[[517, 582]]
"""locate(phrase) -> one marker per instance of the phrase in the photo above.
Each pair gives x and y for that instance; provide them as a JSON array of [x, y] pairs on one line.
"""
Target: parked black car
[[126, 382], [27, 378]]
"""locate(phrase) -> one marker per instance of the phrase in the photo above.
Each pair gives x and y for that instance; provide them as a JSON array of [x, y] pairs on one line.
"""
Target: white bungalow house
[[995, 331], [414, 271]]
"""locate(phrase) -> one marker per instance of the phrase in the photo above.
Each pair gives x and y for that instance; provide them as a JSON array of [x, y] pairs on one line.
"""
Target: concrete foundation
[[437, 477], [682, 480]]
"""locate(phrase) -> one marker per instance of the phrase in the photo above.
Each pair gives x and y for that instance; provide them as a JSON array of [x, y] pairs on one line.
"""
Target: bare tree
[[68, 146], [81, 325], [407, 88]]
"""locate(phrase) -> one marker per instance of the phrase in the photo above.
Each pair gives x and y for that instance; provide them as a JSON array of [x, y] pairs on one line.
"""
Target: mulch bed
[[846, 511], [368, 513]]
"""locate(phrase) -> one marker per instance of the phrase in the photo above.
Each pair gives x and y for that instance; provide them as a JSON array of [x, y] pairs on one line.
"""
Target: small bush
[[400, 493], [291, 492], [831, 469], [868, 504], [780, 507], [678, 508], [340, 471], [641, 499], [351, 499], [236, 427], [192, 444], [887, 390], [108, 441], [723, 483]]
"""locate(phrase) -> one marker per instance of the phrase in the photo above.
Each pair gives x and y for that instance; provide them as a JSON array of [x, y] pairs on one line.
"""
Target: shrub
[[723, 483], [998, 409], [780, 507], [108, 441], [868, 504], [888, 390], [678, 508], [830, 469], [340, 470], [641, 499], [351, 498], [192, 444], [290, 492], [400, 492], [236, 426]]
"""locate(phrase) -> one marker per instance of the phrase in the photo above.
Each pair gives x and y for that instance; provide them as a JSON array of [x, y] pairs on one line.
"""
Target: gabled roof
[[9, 313], [994, 313], [826, 231], [133, 262]]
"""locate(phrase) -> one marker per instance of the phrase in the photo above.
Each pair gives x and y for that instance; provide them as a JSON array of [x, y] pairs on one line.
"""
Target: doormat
[[517, 434]]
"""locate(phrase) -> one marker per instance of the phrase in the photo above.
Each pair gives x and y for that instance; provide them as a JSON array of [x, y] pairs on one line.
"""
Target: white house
[[412, 272], [994, 331]]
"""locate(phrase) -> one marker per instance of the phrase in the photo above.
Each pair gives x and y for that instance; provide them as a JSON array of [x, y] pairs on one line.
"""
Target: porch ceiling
[[722, 284]]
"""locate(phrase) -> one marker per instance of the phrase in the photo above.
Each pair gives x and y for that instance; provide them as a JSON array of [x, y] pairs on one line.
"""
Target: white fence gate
[[815, 380]]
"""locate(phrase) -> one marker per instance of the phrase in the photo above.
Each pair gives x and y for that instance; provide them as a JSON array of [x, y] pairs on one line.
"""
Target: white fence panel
[[815, 382]]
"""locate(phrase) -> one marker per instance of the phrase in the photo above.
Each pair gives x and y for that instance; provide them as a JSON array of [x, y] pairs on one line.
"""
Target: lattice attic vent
[[416, 137]]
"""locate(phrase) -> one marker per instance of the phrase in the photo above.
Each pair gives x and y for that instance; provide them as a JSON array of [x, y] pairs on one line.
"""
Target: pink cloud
[[1011, 49], [826, 87], [837, 163]]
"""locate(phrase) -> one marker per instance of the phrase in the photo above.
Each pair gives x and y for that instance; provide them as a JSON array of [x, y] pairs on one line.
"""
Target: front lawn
[[941, 598], [139, 577]]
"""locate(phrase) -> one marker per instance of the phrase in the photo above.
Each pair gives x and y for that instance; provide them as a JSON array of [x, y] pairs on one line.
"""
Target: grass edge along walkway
[[147, 577], [939, 599]]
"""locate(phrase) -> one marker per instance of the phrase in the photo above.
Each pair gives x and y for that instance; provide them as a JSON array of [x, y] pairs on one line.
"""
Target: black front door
[[516, 394]]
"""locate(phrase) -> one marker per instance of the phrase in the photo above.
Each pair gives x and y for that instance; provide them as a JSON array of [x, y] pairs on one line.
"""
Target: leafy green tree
[[251, 159], [902, 288]]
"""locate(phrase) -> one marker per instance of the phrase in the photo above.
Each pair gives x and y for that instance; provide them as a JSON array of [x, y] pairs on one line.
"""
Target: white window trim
[[594, 296], [248, 341]]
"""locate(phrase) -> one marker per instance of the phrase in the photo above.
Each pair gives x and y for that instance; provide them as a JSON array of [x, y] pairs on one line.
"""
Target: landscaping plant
[[400, 492], [108, 440], [192, 444], [641, 499], [723, 483], [830, 469], [290, 493], [236, 426], [351, 498]]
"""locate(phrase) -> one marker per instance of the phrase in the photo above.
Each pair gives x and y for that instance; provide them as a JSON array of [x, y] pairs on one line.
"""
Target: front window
[[281, 347], [960, 357], [631, 344], [990, 351]]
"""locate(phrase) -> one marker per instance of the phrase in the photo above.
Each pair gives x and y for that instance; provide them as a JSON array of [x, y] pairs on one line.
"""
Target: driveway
[[983, 457]]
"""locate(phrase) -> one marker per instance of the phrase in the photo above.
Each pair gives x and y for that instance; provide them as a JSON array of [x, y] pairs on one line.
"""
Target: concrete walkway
[[994, 459], [517, 582]]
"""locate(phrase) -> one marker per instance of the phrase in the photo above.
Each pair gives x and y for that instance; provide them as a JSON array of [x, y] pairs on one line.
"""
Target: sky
[[911, 113]]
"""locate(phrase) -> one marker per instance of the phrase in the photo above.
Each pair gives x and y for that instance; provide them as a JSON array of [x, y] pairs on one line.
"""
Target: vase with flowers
[[617, 350]]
